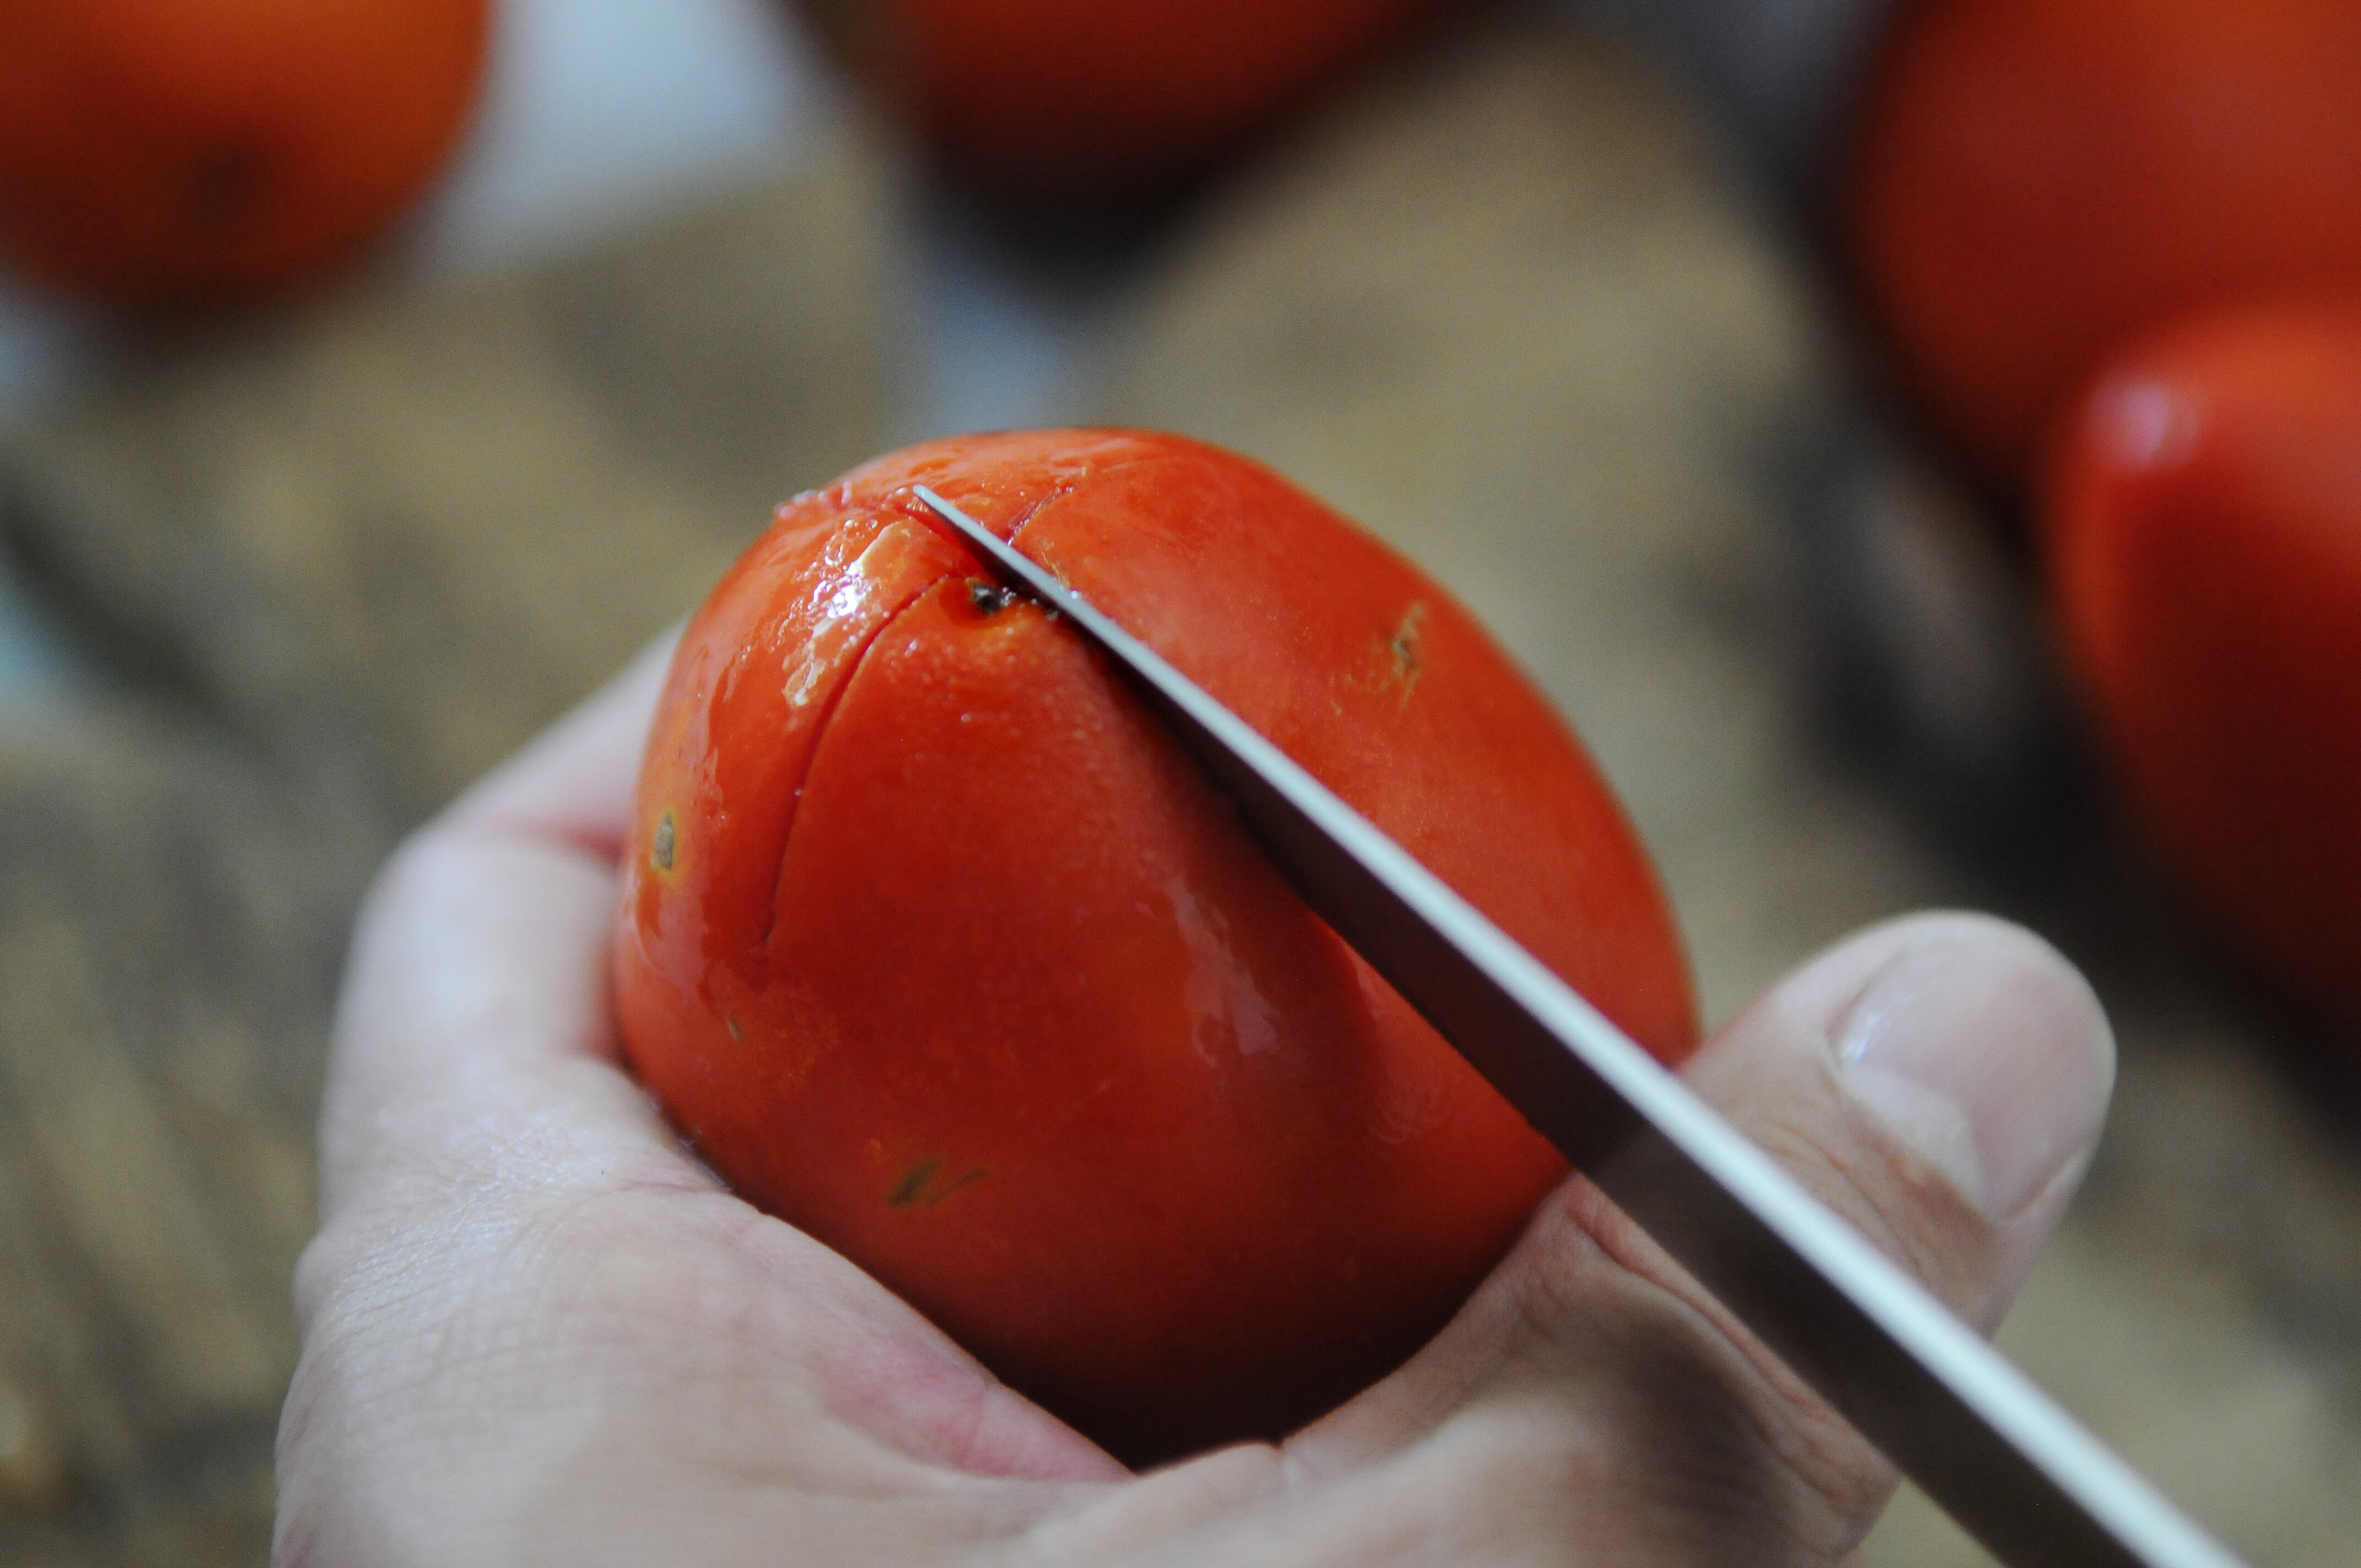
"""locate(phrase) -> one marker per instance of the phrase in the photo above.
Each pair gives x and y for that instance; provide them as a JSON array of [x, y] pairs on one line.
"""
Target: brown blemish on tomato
[[914, 1181], [1401, 650], [918, 1186], [660, 852], [989, 598]]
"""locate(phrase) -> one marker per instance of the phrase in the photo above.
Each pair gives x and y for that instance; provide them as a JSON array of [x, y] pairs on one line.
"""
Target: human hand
[[536, 1330]]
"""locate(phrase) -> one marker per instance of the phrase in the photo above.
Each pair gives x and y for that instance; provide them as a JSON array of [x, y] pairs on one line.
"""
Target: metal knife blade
[[2012, 1467]]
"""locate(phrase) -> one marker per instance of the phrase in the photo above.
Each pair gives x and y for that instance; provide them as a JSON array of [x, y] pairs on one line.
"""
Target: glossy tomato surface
[[940, 946], [2036, 182], [175, 153], [2206, 538], [1054, 100]]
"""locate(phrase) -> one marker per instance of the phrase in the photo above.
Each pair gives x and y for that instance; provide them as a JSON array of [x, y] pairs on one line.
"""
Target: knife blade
[[1976, 1434]]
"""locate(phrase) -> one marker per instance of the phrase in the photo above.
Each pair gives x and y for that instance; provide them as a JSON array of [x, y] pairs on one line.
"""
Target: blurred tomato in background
[[1093, 100], [2035, 181], [2206, 535], [159, 153]]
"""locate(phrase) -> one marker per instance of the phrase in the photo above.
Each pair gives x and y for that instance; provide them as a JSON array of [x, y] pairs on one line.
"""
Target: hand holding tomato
[[535, 1327]]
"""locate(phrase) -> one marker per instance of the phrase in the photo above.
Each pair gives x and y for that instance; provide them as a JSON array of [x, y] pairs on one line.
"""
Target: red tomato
[[1050, 100], [942, 949], [171, 152], [2206, 531], [2036, 182]]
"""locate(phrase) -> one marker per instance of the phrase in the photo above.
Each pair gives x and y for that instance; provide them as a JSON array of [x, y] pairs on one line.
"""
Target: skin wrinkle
[[1522, 1486], [1818, 1450], [399, 1285], [1416, 1398], [842, 1485], [790, 1469], [1376, 1530], [389, 1278], [1175, 1497], [862, 1354], [333, 1376], [1559, 1310], [1417, 1508], [969, 1442], [955, 1438], [1756, 1388], [1918, 1227], [1904, 1204]]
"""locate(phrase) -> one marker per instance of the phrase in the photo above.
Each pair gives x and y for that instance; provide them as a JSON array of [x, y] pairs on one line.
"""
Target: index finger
[[572, 784], [474, 1040]]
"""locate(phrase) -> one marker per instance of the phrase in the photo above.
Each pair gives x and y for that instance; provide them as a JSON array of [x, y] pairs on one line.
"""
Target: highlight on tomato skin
[[941, 947], [2033, 184], [2205, 523]]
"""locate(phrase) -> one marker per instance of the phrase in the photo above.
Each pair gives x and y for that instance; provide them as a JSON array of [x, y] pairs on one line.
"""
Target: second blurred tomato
[[2205, 534], [2036, 180], [1055, 101]]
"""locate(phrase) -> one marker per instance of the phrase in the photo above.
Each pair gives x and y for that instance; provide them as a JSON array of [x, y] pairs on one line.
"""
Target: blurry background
[[1550, 296]]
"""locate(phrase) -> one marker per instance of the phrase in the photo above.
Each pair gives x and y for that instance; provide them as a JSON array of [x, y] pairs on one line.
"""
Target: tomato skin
[[2036, 182], [1048, 101], [2205, 524], [165, 154], [1009, 1009]]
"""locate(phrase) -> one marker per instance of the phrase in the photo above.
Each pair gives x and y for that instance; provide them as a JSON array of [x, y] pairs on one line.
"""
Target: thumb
[[1939, 1083]]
